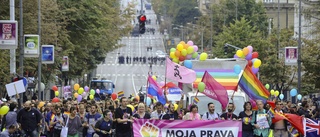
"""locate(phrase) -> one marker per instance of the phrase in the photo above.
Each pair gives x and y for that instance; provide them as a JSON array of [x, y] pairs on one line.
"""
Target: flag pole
[[165, 80], [147, 90]]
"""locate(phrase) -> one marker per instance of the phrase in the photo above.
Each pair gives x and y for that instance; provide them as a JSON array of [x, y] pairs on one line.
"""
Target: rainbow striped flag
[[120, 94], [196, 100], [251, 85]]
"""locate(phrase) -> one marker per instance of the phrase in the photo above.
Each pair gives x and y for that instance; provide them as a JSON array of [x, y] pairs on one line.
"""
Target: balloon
[[190, 43], [175, 106], [257, 63], [245, 51], [299, 96], [189, 56], [237, 69], [195, 48], [114, 96], [130, 106], [184, 52], [182, 42], [281, 96], [182, 58], [272, 92], [76, 86], [92, 92], [80, 90], [235, 56], [54, 88], [75, 95], [138, 98], [267, 86], [162, 83], [190, 49], [239, 53], [203, 56], [201, 86], [276, 93], [84, 94], [255, 55], [56, 93], [86, 88], [250, 63], [154, 78], [55, 100], [172, 55], [172, 50], [41, 104], [248, 56], [293, 92], [175, 60], [98, 91], [194, 55], [179, 47], [79, 98], [254, 70], [148, 101], [250, 49], [177, 53], [186, 46], [188, 64], [4, 110], [91, 97]]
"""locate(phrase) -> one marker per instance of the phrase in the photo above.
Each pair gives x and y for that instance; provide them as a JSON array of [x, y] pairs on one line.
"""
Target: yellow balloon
[[203, 56], [4, 110], [130, 106], [56, 93], [175, 106], [180, 47], [182, 42], [76, 86], [239, 53], [154, 78], [175, 60], [75, 95], [80, 90], [172, 55], [184, 52], [91, 97], [276, 93], [272, 92], [257, 63], [190, 49], [41, 104]]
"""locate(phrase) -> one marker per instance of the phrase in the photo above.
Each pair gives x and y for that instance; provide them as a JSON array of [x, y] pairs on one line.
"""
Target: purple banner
[[182, 128], [8, 34]]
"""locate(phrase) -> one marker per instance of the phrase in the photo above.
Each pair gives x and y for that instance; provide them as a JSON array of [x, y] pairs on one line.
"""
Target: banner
[[8, 34], [174, 94], [291, 56], [31, 45], [179, 73], [181, 128], [65, 63], [47, 54]]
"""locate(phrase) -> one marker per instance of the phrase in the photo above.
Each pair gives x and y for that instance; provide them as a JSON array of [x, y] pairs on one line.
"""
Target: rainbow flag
[[251, 85], [226, 77], [196, 100], [120, 94]]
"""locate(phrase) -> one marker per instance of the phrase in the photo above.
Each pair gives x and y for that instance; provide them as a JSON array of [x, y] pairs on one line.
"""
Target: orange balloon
[[185, 46], [245, 51], [182, 42], [177, 53]]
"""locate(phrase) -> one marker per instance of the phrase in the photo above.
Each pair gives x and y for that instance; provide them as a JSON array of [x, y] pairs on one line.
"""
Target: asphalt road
[[129, 77]]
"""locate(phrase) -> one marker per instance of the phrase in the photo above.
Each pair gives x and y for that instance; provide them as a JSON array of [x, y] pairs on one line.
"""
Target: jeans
[[90, 134], [247, 133], [33, 133]]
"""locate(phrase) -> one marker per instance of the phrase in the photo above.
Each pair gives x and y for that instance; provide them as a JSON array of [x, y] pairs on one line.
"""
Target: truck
[[105, 86], [222, 71]]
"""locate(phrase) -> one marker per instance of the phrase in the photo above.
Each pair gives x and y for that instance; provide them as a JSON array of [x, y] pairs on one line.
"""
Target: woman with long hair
[[193, 114], [74, 123], [246, 116]]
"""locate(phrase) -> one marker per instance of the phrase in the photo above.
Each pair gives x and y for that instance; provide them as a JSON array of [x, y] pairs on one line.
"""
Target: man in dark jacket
[[29, 118]]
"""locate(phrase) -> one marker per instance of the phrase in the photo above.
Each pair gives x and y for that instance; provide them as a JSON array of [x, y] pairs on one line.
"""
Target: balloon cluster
[[55, 90], [294, 92], [274, 92], [252, 58], [186, 51]]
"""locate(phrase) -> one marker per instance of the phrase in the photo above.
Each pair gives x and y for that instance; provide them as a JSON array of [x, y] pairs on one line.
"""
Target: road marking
[[118, 75]]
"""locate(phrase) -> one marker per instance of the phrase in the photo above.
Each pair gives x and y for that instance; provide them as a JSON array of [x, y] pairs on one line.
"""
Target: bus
[[105, 86]]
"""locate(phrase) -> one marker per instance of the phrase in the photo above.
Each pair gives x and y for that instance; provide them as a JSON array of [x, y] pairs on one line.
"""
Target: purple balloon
[[190, 43], [86, 88], [235, 56], [249, 57], [189, 56], [79, 98], [195, 48], [98, 91], [250, 49], [254, 70]]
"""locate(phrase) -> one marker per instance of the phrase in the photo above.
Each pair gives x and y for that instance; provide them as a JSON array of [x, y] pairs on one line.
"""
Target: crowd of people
[[113, 118]]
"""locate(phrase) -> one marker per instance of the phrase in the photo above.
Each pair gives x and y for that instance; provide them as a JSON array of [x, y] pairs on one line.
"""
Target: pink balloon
[[84, 94], [250, 49], [195, 48], [190, 43], [98, 91], [162, 83], [189, 56]]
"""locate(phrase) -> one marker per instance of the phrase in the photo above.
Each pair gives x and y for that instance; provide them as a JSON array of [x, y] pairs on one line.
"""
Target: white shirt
[[209, 116], [156, 115]]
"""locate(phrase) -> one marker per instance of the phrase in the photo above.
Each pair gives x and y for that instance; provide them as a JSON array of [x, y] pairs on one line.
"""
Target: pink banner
[[183, 128], [179, 73]]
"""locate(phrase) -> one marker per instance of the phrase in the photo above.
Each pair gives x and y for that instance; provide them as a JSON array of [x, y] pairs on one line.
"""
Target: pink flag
[[215, 90], [179, 73]]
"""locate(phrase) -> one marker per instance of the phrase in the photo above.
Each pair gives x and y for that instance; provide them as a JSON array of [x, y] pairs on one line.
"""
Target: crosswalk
[[128, 75]]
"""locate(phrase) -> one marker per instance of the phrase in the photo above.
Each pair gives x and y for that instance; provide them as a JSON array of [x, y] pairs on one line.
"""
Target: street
[[132, 74]]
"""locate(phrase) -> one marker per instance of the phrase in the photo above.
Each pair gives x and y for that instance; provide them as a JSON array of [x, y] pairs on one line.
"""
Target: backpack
[[207, 113]]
